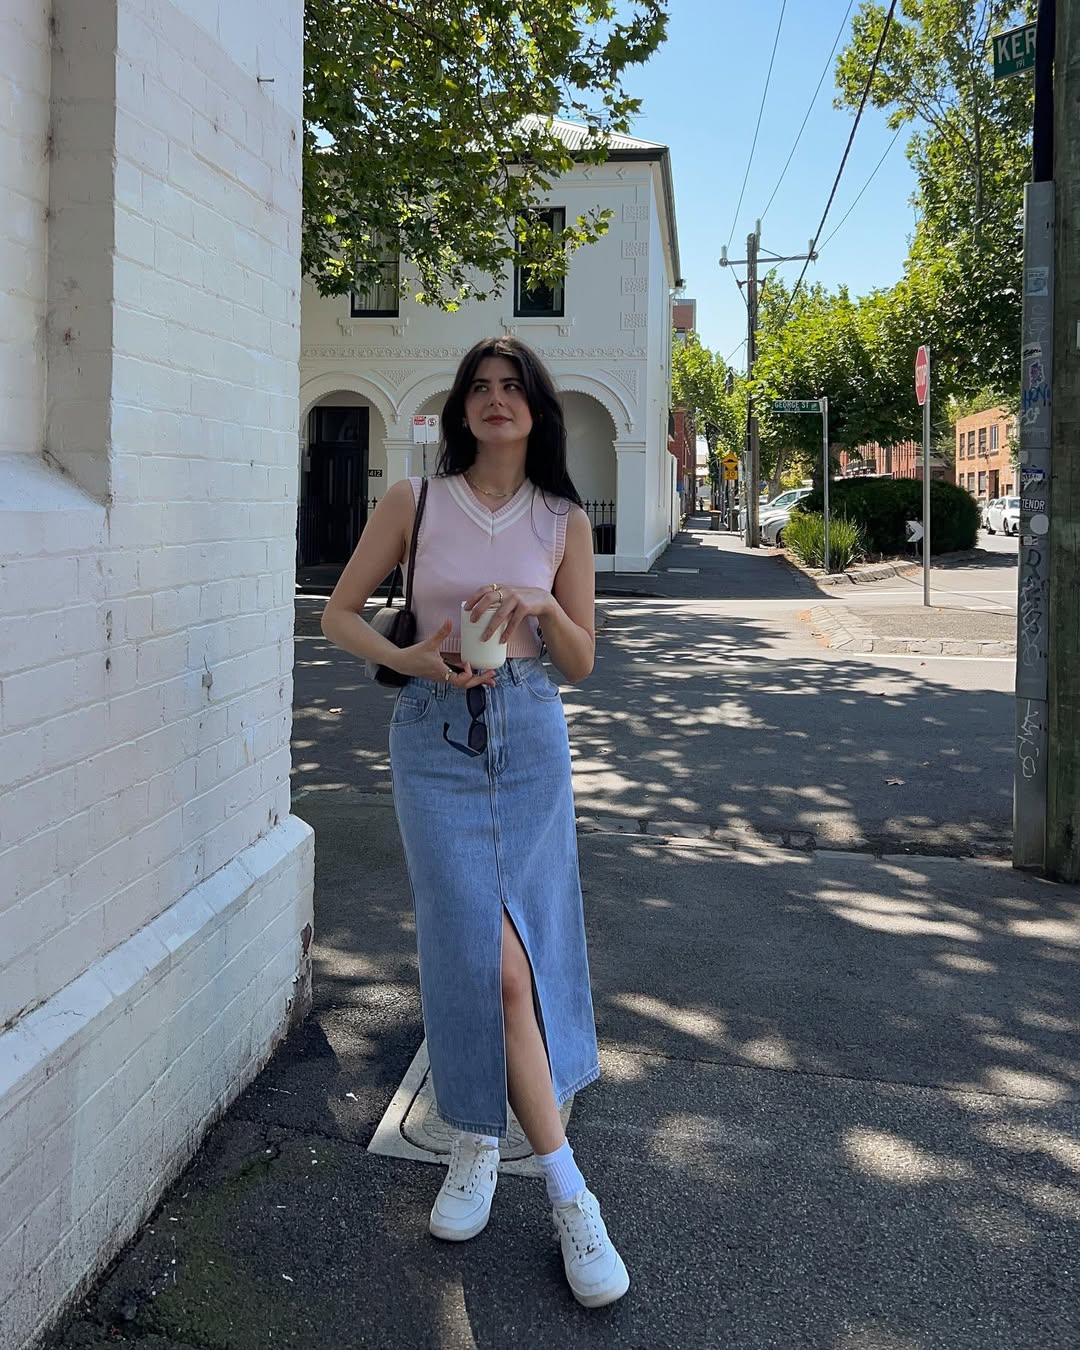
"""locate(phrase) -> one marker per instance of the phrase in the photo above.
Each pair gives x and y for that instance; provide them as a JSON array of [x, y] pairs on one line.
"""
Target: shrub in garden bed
[[881, 507], [804, 534]]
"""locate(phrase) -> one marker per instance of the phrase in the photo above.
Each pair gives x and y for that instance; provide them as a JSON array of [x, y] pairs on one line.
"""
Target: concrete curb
[[854, 575], [884, 570], [844, 631]]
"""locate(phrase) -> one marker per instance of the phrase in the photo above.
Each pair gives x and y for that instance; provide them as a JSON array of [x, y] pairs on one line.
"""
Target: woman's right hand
[[424, 661]]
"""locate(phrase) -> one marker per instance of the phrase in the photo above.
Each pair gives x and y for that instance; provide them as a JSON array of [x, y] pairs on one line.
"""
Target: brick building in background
[[983, 454], [903, 460], [682, 438]]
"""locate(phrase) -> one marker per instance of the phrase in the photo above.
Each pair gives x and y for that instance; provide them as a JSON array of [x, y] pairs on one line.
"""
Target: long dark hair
[[545, 455]]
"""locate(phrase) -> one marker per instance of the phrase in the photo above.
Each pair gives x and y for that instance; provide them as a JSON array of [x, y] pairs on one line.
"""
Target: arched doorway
[[593, 465], [342, 476]]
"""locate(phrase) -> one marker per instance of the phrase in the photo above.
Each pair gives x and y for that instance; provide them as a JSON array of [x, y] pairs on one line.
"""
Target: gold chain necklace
[[498, 496]]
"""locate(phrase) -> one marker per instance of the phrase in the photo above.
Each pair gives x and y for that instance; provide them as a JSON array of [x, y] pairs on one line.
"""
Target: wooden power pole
[[752, 455], [1063, 751], [753, 443]]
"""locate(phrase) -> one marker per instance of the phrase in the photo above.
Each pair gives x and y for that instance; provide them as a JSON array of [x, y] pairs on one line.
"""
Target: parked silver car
[[777, 514], [783, 501]]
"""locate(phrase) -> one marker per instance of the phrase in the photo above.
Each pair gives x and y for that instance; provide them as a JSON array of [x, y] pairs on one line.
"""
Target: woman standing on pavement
[[481, 768]]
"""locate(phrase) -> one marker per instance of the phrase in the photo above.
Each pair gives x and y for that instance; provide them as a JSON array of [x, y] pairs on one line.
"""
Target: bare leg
[[528, 1076]]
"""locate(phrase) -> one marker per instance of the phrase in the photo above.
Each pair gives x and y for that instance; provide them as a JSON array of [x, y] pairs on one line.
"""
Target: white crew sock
[[562, 1174], [487, 1140]]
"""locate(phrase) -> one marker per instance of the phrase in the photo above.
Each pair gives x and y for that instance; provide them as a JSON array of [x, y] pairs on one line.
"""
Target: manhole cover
[[411, 1127]]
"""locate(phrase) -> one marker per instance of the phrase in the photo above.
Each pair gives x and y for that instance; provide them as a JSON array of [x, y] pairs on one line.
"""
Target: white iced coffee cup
[[481, 654]]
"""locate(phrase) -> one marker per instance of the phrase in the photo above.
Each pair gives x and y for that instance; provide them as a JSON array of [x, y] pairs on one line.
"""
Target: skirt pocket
[[412, 705], [539, 684]]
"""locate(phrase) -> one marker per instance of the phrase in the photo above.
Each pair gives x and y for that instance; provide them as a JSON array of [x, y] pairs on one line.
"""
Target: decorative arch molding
[[420, 392], [576, 383], [345, 382]]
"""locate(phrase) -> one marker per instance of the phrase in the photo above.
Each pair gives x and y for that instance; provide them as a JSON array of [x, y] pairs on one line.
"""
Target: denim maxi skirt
[[483, 834]]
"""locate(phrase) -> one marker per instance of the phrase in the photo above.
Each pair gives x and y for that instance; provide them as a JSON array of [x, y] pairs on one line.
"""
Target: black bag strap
[[415, 539], [396, 579]]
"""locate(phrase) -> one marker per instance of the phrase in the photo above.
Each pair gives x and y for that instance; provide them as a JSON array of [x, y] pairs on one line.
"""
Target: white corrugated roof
[[574, 135]]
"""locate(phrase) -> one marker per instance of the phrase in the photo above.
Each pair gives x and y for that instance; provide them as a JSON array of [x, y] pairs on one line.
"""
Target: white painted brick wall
[[148, 860], [24, 189]]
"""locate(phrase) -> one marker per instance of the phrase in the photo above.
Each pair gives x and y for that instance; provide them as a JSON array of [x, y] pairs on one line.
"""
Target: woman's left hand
[[509, 605]]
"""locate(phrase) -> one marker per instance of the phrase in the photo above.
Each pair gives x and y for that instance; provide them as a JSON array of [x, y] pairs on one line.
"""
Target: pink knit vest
[[464, 546]]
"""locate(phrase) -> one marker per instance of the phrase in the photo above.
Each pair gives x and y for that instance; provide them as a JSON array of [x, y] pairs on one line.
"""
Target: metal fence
[[602, 518], [326, 537]]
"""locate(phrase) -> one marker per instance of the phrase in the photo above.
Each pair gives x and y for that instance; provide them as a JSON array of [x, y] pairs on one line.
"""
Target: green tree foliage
[[855, 353], [971, 153], [426, 132], [699, 383]]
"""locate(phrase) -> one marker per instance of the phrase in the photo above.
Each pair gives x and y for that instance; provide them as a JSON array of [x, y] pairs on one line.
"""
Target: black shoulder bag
[[395, 624]]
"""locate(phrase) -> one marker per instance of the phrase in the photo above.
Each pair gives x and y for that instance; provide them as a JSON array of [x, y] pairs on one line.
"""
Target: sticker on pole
[[922, 375]]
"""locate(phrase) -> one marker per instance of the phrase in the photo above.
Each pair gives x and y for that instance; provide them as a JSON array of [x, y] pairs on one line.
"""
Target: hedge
[[881, 507]]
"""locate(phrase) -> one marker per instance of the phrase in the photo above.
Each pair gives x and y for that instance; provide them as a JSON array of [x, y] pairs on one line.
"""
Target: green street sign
[[796, 405], [1014, 51]]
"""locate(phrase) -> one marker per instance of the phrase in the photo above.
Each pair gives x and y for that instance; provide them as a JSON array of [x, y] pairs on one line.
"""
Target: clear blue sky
[[700, 95]]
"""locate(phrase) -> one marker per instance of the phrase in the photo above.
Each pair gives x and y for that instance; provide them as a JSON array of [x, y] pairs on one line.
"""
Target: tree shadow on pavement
[[712, 721], [861, 1075]]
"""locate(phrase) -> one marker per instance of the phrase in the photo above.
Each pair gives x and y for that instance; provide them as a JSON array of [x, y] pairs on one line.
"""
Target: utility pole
[[1063, 763], [752, 456], [1031, 749], [752, 476]]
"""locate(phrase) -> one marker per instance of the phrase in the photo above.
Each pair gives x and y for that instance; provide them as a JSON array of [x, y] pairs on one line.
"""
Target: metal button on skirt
[[485, 832]]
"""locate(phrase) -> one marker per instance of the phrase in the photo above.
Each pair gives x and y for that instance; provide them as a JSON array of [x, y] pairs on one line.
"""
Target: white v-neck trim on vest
[[491, 522]]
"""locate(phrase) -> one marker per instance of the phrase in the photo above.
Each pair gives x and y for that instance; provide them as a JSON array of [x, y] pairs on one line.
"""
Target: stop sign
[[922, 374]]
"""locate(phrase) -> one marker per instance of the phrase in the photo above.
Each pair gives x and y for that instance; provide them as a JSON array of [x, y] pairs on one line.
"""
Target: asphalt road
[[712, 704], [987, 584]]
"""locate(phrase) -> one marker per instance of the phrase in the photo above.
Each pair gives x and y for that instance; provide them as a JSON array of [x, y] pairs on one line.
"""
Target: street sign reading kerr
[[1014, 51]]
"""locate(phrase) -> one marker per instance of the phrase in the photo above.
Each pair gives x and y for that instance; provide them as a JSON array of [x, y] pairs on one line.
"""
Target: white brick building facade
[[609, 351], [155, 892]]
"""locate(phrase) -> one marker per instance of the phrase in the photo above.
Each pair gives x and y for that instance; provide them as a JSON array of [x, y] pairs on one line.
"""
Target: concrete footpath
[[910, 630], [840, 1102]]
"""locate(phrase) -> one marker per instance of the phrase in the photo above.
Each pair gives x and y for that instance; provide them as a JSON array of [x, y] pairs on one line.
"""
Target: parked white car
[[780, 505], [1003, 514], [776, 516]]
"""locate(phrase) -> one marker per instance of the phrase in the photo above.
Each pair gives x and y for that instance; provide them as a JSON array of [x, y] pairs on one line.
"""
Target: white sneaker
[[594, 1269], [463, 1205]]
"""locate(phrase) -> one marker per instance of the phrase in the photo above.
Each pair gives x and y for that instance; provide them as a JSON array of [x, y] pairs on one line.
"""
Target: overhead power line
[[873, 175], [847, 151], [757, 128], [810, 109]]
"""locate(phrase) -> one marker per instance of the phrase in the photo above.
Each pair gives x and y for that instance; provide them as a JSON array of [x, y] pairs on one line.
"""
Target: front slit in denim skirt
[[483, 834]]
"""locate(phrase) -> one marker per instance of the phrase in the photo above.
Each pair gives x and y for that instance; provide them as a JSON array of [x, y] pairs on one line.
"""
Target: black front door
[[333, 511]]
